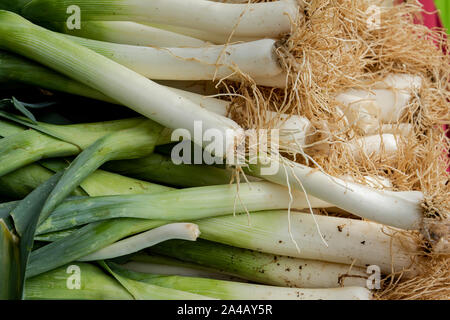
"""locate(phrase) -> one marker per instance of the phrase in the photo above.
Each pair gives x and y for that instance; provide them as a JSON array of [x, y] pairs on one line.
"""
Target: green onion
[[185, 231], [348, 241], [229, 290], [177, 205], [262, 267], [125, 86], [94, 285], [271, 19]]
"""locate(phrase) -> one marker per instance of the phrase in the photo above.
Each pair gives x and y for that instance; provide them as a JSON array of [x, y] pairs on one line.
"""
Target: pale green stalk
[[27, 146], [145, 291], [340, 240], [205, 63], [184, 231], [127, 32], [94, 285], [19, 183], [161, 169], [261, 267], [229, 290], [178, 205]]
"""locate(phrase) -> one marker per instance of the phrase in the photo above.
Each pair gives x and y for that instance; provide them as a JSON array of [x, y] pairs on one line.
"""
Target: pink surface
[[432, 20], [430, 17]]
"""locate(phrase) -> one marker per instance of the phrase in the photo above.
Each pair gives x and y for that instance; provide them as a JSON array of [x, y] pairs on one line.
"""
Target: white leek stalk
[[349, 241], [269, 19], [230, 290], [402, 210], [185, 231], [256, 59], [118, 82]]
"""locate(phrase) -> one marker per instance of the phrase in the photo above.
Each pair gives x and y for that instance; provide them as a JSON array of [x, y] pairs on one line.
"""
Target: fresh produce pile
[[346, 197]]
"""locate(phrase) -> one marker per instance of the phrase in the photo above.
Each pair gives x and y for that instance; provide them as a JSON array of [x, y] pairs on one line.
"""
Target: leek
[[206, 63], [398, 209], [94, 285], [127, 32], [229, 290], [17, 69], [185, 231], [146, 291], [177, 205], [348, 241], [261, 267], [125, 86], [10, 285], [160, 169], [155, 264], [13, 155], [271, 19], [84, 241]]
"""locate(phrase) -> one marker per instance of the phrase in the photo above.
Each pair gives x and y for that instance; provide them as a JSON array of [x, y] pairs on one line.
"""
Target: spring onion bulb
[[384, 145], [177, 205], [120, 83], [210, 62], [270, 19], [230, 290], [185, 231], [127, 32], [259, 267], [386, 207], [384, 103], [349, 241]]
